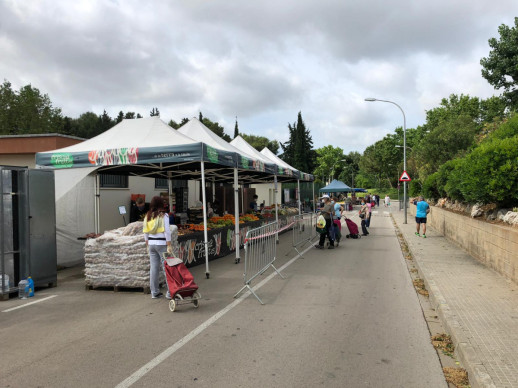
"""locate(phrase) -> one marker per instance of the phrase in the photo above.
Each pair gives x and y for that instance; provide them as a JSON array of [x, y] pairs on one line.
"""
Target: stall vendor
[[138, 210], [253, 204]]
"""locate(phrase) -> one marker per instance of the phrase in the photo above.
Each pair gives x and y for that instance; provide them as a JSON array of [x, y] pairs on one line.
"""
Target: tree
[[298, 150], [236, 130], [105, 122], [350, 168], [448, 140], [216, 128], [328, 160], [500, 68], [176, 125], [27, 111], [120, 117], [260, 142], [129, 115], [87, 125], [7, 108], [154, 112]]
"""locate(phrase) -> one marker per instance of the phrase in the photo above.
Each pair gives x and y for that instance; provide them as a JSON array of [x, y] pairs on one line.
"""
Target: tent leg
[[236, 212], [275, 186], [170, 188], [314, 199], [205, 236], [298, 195], [243, 198], [97, 204]]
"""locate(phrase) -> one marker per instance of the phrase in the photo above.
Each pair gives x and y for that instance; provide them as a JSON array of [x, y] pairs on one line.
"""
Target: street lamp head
[[370, 99]]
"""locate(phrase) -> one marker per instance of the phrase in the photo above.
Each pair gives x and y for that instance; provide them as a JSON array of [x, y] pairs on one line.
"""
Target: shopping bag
[[321, 224]]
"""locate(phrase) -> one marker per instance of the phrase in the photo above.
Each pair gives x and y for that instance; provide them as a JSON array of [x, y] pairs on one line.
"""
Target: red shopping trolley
[[180, 283]]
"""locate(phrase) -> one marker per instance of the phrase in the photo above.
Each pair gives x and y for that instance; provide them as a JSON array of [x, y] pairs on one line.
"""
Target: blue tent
[[335, 187]]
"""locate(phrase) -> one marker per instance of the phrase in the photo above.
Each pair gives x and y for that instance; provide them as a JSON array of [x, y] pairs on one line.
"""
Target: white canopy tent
[[266, 152], [196, 130], [243, 145], [149, 147]]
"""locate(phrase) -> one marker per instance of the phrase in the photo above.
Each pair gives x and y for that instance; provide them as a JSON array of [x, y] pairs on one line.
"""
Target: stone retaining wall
[[494, 245]]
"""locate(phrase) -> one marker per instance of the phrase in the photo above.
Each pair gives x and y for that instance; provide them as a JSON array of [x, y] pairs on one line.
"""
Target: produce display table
[[119, 258], [221, 241]]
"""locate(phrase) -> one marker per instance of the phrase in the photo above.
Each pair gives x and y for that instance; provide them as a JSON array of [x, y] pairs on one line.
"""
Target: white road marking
[[28, 304], [173, 348]]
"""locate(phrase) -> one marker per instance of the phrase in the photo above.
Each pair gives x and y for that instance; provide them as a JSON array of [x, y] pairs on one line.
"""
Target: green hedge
[[488, 174]]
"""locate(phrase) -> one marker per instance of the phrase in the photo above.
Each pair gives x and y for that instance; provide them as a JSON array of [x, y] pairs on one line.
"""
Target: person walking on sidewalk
[[387, 201], [326, 212], [420, 215]]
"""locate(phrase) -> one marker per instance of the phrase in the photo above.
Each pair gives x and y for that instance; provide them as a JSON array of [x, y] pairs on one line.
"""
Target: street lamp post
[[404, 148]]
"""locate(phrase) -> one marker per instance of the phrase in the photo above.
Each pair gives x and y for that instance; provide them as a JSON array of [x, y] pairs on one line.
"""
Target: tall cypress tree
[[298, 150], [236, 130]]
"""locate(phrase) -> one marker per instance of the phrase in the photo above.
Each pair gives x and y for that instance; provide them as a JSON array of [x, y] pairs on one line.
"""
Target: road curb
[[477, 373]]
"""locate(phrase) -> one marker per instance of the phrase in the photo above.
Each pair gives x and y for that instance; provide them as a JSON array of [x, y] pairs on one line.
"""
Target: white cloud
[[261, 61]]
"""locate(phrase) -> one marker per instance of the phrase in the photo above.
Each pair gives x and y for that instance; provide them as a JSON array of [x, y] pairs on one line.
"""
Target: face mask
[[141, 207]]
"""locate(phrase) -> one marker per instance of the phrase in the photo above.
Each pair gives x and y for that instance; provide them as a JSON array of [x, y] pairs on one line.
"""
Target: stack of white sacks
[[119, 258]]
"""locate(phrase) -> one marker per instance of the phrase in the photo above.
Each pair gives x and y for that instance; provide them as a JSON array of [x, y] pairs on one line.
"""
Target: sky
[[260, 61]]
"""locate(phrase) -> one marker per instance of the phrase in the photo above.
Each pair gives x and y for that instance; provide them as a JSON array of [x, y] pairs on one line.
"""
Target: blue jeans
[[368, 221], [155, 264]]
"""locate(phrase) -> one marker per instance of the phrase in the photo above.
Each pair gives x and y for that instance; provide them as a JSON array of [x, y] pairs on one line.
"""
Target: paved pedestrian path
[[478, 306]]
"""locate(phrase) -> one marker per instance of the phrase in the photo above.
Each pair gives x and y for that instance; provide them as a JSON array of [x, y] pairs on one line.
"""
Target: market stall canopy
[[148, 147], [132, 141], [283, 169], [196, 130], [270, 155], [335, 186]]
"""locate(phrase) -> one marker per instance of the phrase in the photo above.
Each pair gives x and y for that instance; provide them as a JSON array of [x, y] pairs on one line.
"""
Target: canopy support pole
[[213, 190], [314, 199], [205, 236], [236, 215], [243, 198], [298, 195], [170, 188], [275, 186], [97, 205]]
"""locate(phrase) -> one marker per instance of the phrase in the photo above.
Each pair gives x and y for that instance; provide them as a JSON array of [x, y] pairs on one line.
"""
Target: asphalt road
[[347, 317]]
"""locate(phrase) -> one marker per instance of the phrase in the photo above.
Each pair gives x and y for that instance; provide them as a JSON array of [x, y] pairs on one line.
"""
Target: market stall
[[149, 147]]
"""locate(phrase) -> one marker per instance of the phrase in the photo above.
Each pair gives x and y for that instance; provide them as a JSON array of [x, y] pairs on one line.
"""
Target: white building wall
[[266, 193], [195, 193], [111, 199]]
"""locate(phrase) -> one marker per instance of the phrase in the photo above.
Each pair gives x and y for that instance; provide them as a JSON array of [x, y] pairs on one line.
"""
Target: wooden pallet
[[144, 290]]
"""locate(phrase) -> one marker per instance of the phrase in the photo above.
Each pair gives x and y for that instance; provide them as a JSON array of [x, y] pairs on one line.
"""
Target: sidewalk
[[477, 306]]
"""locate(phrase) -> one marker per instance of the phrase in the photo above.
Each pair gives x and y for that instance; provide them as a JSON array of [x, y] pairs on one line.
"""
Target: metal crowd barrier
[[260, 253], [304, 230]]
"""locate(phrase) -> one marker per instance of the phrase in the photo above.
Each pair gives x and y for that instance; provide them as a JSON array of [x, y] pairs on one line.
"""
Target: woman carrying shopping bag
[[158, 241]]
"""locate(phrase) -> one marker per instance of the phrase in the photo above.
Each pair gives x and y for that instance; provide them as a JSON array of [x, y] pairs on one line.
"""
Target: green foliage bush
[[430, 186], [490, 173], [507, 129]]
